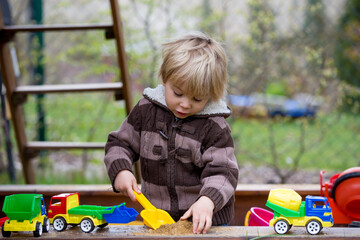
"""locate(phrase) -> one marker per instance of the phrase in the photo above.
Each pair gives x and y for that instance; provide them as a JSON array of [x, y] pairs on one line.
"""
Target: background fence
[[293, 81]]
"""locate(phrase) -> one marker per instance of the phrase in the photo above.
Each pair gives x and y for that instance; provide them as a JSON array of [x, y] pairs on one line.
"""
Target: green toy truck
[[25, 212]]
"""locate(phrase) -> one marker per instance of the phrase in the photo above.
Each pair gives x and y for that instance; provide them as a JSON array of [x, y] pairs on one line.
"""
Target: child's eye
[[177, 94], [197, 100]]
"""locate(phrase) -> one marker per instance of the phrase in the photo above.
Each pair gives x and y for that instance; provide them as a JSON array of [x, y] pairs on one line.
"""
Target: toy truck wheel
[[5, 233], [87, 225], [313, 227], [281, 227], [59, 224], [38, 230], [46, 225]]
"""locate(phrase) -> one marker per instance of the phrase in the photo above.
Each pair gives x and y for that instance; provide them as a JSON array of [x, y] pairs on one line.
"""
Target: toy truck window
[[319, 204], [56, 203]]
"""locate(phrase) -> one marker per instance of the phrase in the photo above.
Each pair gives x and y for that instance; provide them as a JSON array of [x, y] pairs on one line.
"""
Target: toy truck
[[25, 212], [289, 210], [65, 209]]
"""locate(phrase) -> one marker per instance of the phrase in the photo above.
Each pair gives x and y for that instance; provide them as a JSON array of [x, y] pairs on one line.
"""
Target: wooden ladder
[[16, 95]]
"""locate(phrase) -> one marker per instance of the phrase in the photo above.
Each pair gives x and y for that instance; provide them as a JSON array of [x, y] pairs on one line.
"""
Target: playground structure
[[17, 94]]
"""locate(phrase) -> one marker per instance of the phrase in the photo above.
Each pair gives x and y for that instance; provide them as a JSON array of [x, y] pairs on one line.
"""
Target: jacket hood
[[212, 108]]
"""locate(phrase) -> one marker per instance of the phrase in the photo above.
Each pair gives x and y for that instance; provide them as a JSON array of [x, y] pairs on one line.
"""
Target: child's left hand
[[202, 212]]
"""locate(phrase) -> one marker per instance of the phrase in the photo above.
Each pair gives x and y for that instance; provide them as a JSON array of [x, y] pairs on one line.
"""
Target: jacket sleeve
[[220, 174], [122, 146]]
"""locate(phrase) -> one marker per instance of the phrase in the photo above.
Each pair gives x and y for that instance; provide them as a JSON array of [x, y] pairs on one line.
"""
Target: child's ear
[[162, 82]]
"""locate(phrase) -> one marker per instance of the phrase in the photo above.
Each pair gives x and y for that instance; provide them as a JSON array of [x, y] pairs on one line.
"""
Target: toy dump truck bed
[[114, 214], [22, 206], [92, 210], [121, 214]]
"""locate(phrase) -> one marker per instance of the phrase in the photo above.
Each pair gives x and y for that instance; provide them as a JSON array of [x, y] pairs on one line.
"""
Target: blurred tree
[[313, 37], [147, 29], [258, 47], [212, 20], [154, 20], [311, 49], [347, 53], [318, 45], [207, 25], [347, 56]]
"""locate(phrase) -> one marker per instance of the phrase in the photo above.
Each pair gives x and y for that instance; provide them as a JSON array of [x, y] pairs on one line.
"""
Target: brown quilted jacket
[[181, 159]]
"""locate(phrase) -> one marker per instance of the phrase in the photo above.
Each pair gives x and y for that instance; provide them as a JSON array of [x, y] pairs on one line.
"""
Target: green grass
[[329, 141]]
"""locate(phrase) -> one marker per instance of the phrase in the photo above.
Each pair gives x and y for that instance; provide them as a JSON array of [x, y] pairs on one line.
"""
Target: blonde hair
[[196, 62]]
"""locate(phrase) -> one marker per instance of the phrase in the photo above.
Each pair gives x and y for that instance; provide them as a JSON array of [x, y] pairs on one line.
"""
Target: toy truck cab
[[59, 204], [319, 207], [289, 210]]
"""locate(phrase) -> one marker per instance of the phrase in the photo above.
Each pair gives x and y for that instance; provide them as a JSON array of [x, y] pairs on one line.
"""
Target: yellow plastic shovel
[[152, 216]]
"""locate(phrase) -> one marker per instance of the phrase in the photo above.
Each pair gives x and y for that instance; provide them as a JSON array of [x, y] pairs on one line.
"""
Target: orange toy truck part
[[343, 194]]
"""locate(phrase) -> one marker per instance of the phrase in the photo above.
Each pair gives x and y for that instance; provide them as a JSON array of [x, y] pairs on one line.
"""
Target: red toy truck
[[65, 209]]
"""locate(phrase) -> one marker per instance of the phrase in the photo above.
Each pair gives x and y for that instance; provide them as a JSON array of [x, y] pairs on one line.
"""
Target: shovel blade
[[155, 218]]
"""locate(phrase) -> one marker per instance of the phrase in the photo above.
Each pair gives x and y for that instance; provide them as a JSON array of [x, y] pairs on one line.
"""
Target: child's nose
[[185, 103]]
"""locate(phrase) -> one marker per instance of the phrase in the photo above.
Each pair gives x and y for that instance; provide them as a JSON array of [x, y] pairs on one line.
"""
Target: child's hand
[[202, 212], [125, 182]]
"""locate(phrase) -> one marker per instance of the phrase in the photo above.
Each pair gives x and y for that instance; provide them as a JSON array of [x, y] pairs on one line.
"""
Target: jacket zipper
[[171, 171]]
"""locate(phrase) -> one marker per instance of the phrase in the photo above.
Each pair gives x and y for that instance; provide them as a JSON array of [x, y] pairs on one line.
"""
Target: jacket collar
[[157, 96]]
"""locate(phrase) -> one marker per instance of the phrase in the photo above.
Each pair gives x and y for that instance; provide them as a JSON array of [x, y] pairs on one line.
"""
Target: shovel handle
[[144, 201]]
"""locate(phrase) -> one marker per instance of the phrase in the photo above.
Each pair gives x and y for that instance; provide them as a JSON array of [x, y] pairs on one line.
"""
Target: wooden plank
[[263, 189], [121, 54], [55, 27], [63, 88], [218, 233], [48, 145]]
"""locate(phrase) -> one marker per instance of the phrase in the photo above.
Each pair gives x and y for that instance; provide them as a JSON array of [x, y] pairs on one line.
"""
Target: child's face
[[181, 103]]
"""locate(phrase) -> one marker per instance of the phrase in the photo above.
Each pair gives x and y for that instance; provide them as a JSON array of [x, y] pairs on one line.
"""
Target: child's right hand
[[125, 183]]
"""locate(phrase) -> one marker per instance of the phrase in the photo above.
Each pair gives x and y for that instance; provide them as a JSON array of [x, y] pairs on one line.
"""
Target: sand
[[182, 227]]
